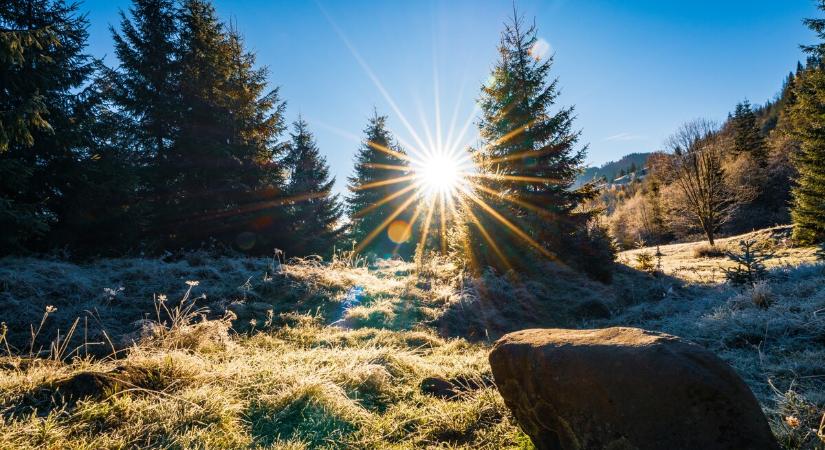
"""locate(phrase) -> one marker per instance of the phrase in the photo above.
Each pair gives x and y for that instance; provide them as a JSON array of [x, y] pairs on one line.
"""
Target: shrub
[[800, 424], [761, 294], [594, 251], [644, 262], [750, 266], [705, 250]]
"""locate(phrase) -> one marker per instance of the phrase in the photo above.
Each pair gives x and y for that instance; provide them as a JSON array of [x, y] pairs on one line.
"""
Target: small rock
[[438, 387], [450, 388]]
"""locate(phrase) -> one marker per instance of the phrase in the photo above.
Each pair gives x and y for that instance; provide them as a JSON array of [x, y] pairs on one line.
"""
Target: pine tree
[[530, 149], [222, 172], [43, 69], [99, 212], [145, 85], [807, 114], [747, 137], [314, 211], [375, 199]]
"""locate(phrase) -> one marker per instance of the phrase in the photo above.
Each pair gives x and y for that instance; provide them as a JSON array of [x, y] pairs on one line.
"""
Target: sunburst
[[441, 181]]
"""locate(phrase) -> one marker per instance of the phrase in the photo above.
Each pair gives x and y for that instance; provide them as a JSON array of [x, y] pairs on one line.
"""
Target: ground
[[224, 352]]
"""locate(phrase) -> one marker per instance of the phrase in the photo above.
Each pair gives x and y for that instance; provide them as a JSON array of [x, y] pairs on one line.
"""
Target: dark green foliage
[[747, 137], [145, 85], [220, 177], [43, 68], [530, 152], [750, 263], [23, 106], [375, 199], [808, 117], [98, 213], [178, 144], [314, 211]]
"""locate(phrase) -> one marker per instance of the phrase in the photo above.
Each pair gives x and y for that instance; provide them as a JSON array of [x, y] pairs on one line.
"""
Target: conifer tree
[[43, 69], [374, 198], [222, 170], [529, 147], [145, 86], [807, 115], [747, 137], [314, 211]]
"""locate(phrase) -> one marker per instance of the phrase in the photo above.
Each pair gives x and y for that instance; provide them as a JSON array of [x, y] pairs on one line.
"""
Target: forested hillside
[[714, 178], [614, 169]]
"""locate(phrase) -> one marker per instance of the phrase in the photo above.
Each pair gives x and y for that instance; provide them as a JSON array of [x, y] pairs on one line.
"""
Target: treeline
[[183, 144], [763, 166], [180, 145]]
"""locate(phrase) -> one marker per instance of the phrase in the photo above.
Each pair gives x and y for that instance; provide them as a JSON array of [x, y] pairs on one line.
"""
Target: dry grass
[[293, 383], [771, 332], [314, 355], [302, 387], [697, 263]]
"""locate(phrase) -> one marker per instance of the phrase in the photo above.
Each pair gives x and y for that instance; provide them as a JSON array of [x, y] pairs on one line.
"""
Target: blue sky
[[634, 69]]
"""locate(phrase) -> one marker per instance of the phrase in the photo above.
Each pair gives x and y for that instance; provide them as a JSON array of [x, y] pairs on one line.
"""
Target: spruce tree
[[807, 115], [43, 70], [222, 172], [374, 197], [314, 211], [747, 137], [145, 84], [530, 150]]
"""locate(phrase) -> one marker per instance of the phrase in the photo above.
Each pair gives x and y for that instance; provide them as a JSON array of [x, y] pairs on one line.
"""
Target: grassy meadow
[[201, 351]]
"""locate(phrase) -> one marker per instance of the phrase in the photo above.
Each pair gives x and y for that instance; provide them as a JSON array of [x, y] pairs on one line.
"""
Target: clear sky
[[634, 69]]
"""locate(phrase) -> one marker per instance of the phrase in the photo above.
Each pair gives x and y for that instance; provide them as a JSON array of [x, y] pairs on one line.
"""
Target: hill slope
[[611, 169]]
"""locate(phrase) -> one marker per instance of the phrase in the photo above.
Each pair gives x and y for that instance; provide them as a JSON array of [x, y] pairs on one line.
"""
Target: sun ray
[[431, 144], [484, 234], [373, 77], [366, 241], [252, 207], [437, 100], [510, 135], [522, 203], [515, 229], [389, 151], [443, 217], [387, 167], [387, 199], [408, 229], [448, 141], [455, 144], [526, 179], [526, 154], [427, 221], [385, 182]]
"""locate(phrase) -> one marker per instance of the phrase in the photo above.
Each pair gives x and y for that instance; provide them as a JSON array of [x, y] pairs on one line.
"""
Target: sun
[[440, 174]]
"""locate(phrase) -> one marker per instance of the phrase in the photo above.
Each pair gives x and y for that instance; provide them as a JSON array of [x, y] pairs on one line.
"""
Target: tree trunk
[[709, 234]]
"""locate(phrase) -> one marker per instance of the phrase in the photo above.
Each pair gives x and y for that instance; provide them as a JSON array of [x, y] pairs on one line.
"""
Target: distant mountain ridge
[[612, 169]]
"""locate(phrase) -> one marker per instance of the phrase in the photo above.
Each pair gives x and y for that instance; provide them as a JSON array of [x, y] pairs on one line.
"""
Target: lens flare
[[399, 231]]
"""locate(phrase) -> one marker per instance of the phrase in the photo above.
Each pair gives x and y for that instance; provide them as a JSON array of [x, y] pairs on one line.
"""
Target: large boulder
[[625, 388]]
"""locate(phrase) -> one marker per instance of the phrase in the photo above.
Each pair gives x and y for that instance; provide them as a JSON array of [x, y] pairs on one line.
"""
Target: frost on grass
[[332, 355]]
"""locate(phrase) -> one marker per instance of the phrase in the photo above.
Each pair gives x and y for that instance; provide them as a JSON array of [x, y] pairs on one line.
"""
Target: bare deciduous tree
[[696, 170]]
